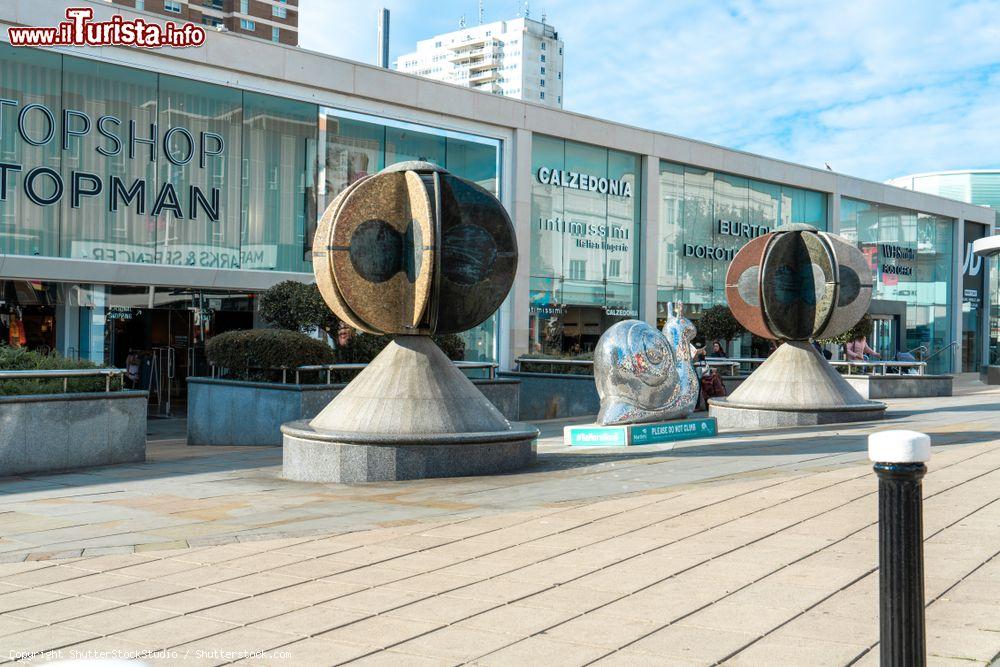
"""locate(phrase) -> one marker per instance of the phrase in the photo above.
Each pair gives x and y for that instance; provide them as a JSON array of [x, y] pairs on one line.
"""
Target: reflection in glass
[[355, 145], [183, 239], [279, 198], [910, 254]]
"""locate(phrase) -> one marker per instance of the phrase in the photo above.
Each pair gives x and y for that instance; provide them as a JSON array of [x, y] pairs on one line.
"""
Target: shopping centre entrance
[[157, 334]]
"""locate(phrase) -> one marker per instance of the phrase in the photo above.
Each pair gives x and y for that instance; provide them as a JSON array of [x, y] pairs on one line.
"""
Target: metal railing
[[921, 366], [330, 369], [736, 364], [65, 374], [946, 347]]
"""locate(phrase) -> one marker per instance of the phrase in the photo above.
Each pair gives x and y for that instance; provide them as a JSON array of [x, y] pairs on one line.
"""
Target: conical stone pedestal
[[410, 414], [794, 387]]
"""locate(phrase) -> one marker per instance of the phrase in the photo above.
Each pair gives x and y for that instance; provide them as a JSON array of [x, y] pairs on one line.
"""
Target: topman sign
[[37, 125], [578, 181]]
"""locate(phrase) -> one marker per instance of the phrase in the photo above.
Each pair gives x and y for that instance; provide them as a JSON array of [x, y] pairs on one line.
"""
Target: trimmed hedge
[[245, 354], [21, 359]]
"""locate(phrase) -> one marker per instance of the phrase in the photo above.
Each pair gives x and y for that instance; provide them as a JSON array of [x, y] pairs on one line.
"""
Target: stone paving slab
[[754, 551]]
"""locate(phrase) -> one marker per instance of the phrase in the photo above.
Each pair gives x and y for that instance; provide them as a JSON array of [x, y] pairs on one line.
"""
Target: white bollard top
[[899, 447]]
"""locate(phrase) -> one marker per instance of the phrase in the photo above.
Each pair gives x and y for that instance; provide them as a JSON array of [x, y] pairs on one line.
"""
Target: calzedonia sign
[[580, 181], [38, 125]]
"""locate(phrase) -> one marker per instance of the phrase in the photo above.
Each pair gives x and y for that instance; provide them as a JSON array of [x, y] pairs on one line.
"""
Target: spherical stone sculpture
[[798, 283], [793, 285], [644, 375], [411, 251], [414, 250]]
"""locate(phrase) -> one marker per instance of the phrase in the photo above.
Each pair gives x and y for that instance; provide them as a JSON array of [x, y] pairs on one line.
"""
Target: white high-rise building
[[521, 58]]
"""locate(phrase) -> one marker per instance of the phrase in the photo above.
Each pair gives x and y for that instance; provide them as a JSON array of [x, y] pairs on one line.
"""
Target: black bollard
[[899, 458]]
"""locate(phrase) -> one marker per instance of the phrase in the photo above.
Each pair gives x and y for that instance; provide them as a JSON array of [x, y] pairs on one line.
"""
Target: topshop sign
[[38, 125]]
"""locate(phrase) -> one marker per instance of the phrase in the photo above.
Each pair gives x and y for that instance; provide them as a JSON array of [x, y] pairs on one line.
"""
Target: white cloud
[[877, 89]]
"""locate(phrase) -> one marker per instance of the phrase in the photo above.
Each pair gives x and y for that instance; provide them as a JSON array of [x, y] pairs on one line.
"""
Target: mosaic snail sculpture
[[644, 375]]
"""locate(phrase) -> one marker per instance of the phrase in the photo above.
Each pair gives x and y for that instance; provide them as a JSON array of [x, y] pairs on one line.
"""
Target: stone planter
[[234, 412], [556, 395], [990, 375], [48, 432], [901, 386]]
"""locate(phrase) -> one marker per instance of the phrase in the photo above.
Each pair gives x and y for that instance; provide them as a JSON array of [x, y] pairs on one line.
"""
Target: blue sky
[[875, 88]]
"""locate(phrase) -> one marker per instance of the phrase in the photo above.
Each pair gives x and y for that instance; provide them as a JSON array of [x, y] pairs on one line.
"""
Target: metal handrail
[[752, 361], [951, 344], [330, 368], [65, 374]]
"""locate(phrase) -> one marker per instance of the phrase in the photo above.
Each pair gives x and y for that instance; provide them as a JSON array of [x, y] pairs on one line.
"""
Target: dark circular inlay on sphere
[[795, 284], [468, 253], [850, 285], [376, 251]]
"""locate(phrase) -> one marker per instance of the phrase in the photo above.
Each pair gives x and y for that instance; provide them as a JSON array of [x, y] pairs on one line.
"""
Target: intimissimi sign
[[38, 125], [579, 181]]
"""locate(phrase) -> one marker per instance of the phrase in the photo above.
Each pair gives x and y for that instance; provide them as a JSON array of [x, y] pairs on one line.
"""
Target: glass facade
[[111, 163], [706, 217], [910, 255], [585, 243], [355, 145], [994, 335]]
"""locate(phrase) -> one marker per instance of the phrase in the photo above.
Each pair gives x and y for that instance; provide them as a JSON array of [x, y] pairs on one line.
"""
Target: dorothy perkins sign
[[38, 125]]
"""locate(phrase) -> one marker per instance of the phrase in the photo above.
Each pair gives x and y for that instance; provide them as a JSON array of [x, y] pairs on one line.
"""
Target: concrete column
[[517, 329], [650, 216], [958, 257]]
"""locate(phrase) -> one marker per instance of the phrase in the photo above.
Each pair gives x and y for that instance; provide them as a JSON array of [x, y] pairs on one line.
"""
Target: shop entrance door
[[154, 345], [885, 335]]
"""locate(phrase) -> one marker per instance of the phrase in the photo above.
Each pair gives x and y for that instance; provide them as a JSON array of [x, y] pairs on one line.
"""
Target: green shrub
[[297, 307], [718, 323], [21, 359], [862, 328], [248, 354]]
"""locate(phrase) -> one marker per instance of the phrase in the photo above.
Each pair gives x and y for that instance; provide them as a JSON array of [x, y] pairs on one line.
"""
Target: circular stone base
[[744, 417], [310, 455]]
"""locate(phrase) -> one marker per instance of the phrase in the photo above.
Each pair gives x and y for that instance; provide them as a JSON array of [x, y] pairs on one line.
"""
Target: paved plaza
[[757, 549]]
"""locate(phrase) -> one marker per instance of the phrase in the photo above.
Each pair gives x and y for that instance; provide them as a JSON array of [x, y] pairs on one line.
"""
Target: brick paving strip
[[769, 565]]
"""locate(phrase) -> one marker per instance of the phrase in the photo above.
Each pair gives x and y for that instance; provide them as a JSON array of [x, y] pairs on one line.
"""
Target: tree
[[863, 328], [297, 307], [718, 323]]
